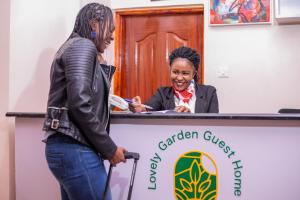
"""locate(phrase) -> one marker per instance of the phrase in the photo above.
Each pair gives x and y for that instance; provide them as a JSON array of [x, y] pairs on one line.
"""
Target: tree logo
[[195, 177]]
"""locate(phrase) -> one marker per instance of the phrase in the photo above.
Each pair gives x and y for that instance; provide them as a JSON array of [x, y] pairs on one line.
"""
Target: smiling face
[[104, 32], [182, 73], [104, 35]]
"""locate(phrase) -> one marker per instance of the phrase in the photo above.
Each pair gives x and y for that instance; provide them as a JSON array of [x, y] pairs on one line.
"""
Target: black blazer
[[206, 99]]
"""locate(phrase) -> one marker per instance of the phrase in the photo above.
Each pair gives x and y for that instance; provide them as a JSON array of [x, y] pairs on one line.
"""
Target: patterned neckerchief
[[186, 94]]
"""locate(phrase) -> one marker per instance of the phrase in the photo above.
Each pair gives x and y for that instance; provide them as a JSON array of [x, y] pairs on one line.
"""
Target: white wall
[[104, 2], [38, 28], [6, 158], [263, 62]]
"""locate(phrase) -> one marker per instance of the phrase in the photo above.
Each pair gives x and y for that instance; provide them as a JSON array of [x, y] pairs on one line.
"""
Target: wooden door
[[144, 40]]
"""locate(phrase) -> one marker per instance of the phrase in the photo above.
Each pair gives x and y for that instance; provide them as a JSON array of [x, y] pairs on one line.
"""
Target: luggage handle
[[131, 155], [127, 155]]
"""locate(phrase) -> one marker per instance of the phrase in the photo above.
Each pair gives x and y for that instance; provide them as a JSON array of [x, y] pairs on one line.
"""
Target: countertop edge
[[227, 116]]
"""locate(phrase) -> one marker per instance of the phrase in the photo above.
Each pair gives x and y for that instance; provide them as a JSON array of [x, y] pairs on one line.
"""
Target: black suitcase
[[128, 155]]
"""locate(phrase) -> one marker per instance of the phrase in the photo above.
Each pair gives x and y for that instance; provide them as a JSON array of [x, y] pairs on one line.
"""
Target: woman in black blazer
[[185, 95]]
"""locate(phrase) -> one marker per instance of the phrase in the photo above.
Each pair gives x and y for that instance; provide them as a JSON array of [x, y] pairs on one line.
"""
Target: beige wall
[[6, 155], [38, 28]]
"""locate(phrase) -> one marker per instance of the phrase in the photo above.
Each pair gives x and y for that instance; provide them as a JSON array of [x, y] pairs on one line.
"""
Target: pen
[[146, 106]]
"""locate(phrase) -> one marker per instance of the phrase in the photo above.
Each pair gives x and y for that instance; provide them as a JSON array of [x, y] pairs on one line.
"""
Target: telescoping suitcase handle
[[131, 155], [127, 155]]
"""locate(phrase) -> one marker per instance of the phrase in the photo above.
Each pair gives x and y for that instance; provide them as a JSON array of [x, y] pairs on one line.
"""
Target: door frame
[[120, 15]]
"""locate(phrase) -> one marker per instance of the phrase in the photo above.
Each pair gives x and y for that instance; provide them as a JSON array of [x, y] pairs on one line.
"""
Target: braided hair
[[92, 11], [187, 53]]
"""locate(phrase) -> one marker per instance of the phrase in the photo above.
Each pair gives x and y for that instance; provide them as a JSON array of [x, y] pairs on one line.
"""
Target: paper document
[[161, 111], [118, 101]]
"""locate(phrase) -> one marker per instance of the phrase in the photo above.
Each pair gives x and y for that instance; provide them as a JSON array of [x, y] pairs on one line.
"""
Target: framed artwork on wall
[[239, 12], [287, 11]]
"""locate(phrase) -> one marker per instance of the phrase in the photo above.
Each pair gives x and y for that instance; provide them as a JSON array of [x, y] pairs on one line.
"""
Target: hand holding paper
[[137, 106], [118, 102], [138, 103], [134, 104]]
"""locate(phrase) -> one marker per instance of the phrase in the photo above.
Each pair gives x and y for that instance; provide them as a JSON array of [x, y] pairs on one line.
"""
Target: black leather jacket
[[78, 96]]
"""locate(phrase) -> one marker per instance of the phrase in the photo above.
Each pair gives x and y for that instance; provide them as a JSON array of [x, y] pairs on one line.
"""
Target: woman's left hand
[[182, 109]]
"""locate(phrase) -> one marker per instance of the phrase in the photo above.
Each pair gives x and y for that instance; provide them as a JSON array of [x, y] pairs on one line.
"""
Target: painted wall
[[6, 158], [38, 28], [262, 62]]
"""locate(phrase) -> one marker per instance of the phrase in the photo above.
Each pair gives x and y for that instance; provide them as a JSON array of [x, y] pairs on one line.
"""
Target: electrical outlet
[[223, 72]]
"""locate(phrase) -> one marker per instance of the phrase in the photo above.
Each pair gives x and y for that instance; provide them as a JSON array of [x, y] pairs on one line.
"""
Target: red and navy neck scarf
[[186, 94]]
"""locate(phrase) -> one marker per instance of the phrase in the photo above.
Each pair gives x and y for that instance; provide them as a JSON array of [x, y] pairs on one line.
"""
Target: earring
[[93, 34]]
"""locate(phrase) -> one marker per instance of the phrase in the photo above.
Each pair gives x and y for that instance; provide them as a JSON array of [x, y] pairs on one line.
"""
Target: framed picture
[[231, 12], [287, 11]]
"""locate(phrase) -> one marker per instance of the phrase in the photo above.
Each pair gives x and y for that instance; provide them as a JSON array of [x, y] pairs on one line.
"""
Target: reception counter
[[183, 156]]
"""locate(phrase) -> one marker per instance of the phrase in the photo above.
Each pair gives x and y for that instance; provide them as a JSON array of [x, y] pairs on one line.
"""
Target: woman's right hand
[[137, 105], [182, 109], [118, 157]]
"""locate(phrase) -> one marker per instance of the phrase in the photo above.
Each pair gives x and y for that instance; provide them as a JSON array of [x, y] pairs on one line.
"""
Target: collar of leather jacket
[[109, 70]]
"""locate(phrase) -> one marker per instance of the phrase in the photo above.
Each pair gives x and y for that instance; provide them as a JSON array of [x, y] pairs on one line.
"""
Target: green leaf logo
[[195, 177]]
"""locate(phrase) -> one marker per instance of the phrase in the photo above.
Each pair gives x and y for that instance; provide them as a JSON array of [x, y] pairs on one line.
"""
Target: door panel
[[145, 50]]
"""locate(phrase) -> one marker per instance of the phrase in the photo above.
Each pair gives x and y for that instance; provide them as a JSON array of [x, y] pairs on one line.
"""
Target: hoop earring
[[93, 34]]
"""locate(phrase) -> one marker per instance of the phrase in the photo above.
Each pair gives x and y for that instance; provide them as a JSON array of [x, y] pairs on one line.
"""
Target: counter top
[[158, 115]]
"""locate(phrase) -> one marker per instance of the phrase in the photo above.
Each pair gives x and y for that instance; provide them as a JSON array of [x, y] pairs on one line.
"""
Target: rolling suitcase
[[128, 155]]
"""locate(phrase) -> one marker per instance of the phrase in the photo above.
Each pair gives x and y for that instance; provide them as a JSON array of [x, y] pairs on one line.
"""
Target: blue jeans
[[78, 169]]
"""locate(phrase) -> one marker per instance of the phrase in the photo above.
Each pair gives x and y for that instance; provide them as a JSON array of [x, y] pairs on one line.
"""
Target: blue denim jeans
[[78, 169]]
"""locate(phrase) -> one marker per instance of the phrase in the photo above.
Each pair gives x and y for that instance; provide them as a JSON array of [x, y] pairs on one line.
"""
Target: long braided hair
[[187, 53], [90, 12]]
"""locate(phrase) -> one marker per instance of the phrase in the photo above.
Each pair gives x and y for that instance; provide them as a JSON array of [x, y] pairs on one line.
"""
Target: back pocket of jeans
[[56, 164]]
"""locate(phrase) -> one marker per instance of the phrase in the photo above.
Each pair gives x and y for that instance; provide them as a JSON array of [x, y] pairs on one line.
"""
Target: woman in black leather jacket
[[77, 119]]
